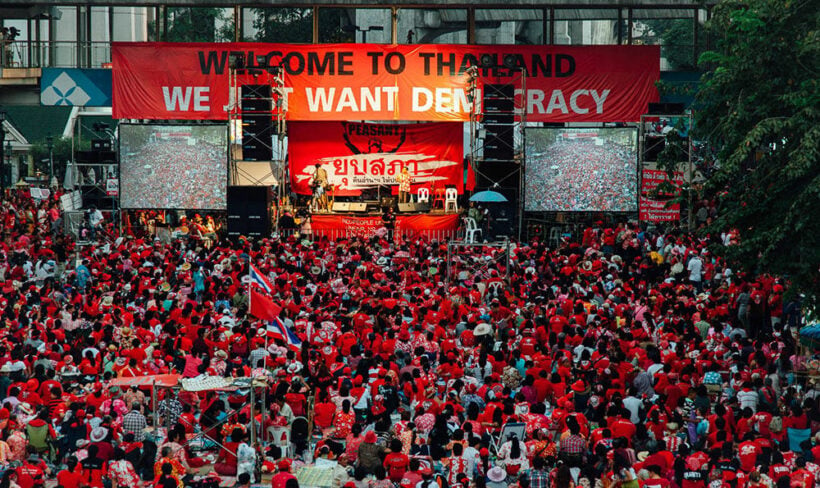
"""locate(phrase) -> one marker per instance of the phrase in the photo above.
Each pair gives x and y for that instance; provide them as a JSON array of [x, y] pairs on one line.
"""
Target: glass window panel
[[100, 36], [64, 32], [131, 24], [509, 26], [358, 25], [199, 24], [432, 26], [586, 26], [277, 25], [672, 29]]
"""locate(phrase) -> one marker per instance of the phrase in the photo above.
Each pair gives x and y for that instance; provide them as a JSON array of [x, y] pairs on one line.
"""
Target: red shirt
[[747, 453], [396, 465], [69, 479]]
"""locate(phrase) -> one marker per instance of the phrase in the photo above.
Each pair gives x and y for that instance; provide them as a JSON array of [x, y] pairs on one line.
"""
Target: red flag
[[469, 184], [263, 307]]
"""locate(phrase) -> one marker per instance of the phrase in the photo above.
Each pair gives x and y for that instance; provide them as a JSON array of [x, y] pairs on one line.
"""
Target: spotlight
[[510, 62], [487, 61]]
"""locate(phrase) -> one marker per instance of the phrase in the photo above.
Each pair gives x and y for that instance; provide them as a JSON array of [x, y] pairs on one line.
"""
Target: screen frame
[[637, 174], [177, 124]]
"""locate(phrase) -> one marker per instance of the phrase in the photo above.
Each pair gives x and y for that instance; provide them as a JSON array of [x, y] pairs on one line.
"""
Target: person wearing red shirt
[[70, 477], [622, 427], [801, 476], [396, 462], [747, 452], [654, 480], [281, 478]]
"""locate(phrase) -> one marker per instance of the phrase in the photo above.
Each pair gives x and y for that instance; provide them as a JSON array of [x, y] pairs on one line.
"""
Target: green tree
[[677, 40], [758, 105], [198, 24]]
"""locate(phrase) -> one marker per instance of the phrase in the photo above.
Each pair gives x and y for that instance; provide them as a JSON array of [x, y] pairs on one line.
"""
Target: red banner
[[653, 210], [383, 82], [358, 156], [429, 226]]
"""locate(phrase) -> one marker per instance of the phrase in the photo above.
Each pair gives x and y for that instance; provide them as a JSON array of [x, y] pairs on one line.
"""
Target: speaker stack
[[248, 211], [257, 123], [498, 163], [499, 120]]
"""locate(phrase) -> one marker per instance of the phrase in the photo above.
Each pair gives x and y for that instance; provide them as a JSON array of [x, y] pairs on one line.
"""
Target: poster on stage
[[581, 170], [430, 226], [173, 166], [656, 207], [364, 156], [427, 82]]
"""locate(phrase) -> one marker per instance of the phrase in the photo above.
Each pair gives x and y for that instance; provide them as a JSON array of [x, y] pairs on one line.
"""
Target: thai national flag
[[258, 279], [278, 329]]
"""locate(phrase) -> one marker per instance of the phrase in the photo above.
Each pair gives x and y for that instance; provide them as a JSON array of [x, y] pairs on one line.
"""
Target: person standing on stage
[[405, 180], [319, 183]]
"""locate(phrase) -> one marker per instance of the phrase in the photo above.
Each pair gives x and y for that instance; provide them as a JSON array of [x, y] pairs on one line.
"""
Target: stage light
[[510, 62], [261, 61], [487, 61], [236, 61]]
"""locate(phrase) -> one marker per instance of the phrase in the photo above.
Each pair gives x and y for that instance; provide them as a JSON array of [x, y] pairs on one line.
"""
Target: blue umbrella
[[488, 196]]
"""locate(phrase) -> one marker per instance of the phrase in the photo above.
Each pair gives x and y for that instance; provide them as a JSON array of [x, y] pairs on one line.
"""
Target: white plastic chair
[[423, 195], [451, 200], [471, 230], [494, 288], [280, 437], [555, 237]]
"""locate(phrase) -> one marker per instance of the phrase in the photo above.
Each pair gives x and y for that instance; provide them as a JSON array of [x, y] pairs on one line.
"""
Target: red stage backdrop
[[430, 226], [382, 82], [358, 156], [652, 210]]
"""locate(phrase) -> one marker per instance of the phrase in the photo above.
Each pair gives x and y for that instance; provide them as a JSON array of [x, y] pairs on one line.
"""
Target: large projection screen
[[581, 170], [173, 166]]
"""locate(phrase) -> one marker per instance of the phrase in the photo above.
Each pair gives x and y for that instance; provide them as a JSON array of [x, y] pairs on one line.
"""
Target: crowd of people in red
[[623, 358]]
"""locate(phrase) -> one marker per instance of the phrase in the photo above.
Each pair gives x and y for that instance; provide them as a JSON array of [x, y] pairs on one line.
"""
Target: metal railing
[[55, 54]]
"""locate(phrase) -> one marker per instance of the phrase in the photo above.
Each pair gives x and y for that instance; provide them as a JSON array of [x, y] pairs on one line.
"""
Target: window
[[586, 26], [131, 24], [290, 25], [199, 24], [509, 26], [432, 26], [100, 34], [359, 25], [673, 30]]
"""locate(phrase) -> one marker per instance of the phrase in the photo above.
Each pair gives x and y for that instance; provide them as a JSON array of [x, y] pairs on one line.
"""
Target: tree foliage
[[758, 104]]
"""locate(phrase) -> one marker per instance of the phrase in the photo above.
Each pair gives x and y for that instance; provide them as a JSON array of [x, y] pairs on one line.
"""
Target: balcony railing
[[55, 54]]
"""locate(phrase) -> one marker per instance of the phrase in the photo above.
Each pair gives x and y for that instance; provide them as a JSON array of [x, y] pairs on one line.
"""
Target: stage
[[335, 226]]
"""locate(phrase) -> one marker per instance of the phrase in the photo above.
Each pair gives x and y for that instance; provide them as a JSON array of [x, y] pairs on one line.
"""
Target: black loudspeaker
[[665, 109], [100, 145], [652, 147], [414, 207], [341, 206], [257, 124], [499, 143], [107, 156], [499, 118], [248, 211], [499, 90], [358, 207]]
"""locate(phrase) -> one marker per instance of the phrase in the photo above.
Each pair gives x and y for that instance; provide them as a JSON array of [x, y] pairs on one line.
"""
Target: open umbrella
[[488, 196]]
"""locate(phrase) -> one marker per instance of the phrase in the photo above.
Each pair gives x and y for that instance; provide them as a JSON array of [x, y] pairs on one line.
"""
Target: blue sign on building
[[76, 87]]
